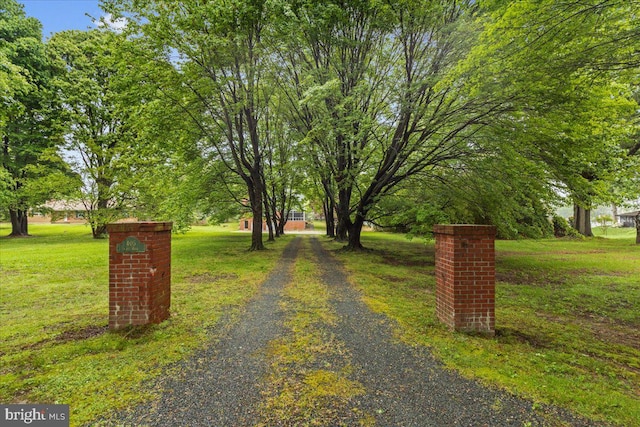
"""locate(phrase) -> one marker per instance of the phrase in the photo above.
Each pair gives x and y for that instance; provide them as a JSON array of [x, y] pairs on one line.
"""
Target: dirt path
[[226, 384]]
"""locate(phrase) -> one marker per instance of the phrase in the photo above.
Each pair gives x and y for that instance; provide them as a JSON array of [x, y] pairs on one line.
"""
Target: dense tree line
[[397, 113], [32, 169]]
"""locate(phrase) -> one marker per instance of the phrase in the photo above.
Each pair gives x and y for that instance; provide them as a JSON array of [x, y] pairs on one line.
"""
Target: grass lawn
[[567, 318], [54, 343], [615, 232]]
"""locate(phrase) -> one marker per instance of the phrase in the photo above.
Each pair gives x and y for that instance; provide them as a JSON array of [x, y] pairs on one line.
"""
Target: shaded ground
[[223, 384]]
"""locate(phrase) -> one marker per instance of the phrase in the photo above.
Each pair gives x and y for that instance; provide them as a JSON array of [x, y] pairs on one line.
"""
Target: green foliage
[[30, 132], [604, 220], [493, 190], [570, 71], [378, 101], [218, 84], [99, 132], [495, 107], [561, 228]]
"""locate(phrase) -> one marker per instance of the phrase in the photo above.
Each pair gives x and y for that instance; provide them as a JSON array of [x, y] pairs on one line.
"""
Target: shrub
[[561, 228]]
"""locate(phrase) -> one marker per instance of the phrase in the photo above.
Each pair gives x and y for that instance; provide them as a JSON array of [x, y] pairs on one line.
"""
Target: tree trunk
[[638, 228], [342, 228], [355, 230], [99, 231], [269, 218], [284, 212], [344, 219], [582, 220], [100, 216], [256, 232], [329, 220], [331, 224], [255, 186], [329, 208], [277, 225], [281, 224], [19, 224]]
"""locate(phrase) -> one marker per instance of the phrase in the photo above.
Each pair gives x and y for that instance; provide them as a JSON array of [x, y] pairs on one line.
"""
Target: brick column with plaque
[[139, 273]]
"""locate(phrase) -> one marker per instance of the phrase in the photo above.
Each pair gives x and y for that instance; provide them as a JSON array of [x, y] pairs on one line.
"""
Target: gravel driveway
[[223, 384]]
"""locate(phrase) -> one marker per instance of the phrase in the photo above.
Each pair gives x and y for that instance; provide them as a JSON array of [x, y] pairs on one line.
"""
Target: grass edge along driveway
[[567, 318]]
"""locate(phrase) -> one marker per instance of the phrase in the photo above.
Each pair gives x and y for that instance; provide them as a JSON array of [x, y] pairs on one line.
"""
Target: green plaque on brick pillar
[[130, 245]]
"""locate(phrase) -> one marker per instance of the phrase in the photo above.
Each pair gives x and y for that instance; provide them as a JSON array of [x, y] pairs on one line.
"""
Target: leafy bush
[[561, 228]]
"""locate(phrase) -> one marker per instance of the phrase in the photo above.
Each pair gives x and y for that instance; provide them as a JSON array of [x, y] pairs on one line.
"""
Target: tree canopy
[[399, 113], [94, 87], [32, 171]]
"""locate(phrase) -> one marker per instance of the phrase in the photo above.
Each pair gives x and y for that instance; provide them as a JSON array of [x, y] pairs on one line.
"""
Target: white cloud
[[108, 21]]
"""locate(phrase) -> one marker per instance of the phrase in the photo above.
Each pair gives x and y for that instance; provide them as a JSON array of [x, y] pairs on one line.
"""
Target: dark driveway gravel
[[405, 386]]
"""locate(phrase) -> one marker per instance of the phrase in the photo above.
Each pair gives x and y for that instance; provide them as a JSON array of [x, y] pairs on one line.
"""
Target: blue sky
[[58, 15]]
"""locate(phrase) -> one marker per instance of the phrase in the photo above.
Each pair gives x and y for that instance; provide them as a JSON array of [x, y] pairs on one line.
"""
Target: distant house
[[628, 219], [59, 212], [296, 221]]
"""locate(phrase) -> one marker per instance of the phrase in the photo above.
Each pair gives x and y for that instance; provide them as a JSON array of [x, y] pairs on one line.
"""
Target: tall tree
[[382, 96], [282, 163], [573, 62], [631, 185], [388, 92], [220, 67], [99, 133], [30, 133]]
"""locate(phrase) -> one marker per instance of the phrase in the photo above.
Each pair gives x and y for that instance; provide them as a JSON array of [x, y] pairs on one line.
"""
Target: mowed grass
[[55, 346], [615, 232], [567, 318]]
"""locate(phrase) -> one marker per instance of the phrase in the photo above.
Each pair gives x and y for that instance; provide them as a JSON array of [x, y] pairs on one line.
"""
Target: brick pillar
[[139, 273], [465, 277]]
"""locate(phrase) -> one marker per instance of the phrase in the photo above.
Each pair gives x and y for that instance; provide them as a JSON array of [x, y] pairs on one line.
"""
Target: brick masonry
[[465, 277], [139, 278]]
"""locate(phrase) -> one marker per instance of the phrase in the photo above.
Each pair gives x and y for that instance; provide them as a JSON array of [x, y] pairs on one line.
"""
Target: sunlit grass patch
[[615, 232]]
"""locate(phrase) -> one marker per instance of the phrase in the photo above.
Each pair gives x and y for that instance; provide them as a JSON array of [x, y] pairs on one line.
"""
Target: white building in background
[[619, 214]]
